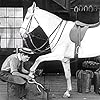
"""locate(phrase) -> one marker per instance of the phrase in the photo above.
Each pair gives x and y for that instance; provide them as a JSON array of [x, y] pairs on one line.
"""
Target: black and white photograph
[[49, 50]]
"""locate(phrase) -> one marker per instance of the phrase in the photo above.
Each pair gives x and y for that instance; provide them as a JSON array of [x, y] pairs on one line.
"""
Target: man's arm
[[24, 70], [21, 75], [14, 68]]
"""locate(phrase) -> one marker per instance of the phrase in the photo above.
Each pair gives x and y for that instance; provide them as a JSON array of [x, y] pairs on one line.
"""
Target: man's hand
[[25, 71], [31, 75]]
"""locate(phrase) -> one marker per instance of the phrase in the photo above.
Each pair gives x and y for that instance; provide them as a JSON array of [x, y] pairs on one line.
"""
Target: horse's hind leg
[[66, 66]]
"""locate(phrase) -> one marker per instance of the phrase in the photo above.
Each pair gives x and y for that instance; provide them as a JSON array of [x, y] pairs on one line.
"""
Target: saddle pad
[[77, 33]]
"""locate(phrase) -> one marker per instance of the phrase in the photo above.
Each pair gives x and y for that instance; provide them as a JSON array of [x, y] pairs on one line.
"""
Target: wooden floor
[[57, 85]]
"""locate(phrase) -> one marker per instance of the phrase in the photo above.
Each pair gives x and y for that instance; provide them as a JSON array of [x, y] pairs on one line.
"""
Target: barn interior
[[13, 12]]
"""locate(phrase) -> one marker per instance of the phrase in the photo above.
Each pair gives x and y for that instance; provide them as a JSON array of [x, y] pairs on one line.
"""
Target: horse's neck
[[47, 21]]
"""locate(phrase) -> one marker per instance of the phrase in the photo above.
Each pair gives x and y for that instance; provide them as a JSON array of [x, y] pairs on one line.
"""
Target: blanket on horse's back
[[78, 31]]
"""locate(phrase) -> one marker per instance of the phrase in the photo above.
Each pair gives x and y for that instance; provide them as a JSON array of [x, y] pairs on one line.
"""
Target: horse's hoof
[[23, 98], [38, 72], [66, 95]]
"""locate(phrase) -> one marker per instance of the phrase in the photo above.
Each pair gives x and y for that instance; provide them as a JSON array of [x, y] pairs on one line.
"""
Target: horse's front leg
[[34, 66], [66, 66], [36, 63], [47, 57]]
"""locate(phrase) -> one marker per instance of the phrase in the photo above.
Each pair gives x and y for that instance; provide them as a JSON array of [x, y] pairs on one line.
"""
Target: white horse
[[62, 48]]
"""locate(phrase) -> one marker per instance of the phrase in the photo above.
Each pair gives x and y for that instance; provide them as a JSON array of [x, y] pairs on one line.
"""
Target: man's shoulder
[[13, 57]]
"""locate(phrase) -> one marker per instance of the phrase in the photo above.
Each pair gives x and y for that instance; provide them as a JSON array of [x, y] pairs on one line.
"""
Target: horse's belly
[[65, 49], [90, 43]]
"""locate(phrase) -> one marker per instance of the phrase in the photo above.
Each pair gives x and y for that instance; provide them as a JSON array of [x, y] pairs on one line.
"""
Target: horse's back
[[90, 43]]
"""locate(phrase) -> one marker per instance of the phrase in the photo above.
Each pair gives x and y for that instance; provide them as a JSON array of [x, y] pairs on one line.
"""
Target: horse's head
[[26, 26], [38, 17]]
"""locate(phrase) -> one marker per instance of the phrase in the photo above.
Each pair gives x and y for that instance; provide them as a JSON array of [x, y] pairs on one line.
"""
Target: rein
[[46, 40]]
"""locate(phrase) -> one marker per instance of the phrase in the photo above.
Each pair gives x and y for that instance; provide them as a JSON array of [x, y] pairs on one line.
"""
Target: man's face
[[25, 57]]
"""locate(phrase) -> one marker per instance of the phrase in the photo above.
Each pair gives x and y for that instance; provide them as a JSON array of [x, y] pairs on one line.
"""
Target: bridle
[[38, 50]]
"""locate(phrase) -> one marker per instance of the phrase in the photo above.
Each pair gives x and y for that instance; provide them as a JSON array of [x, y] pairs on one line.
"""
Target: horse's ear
[[34, 5], [32, 8]]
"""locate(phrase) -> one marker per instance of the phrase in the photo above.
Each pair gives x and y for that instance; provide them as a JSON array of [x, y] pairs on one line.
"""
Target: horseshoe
[[95, 8], [76, 9], [86, 8], [91, 9], [80, 8]]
